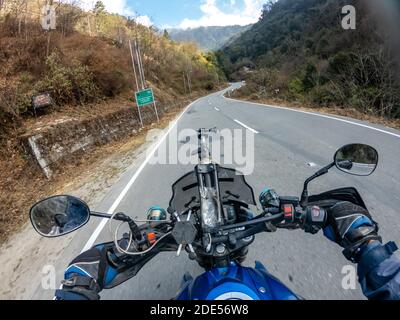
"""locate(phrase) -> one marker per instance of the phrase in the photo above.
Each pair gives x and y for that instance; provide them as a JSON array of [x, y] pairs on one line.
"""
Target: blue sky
[[186, 13]]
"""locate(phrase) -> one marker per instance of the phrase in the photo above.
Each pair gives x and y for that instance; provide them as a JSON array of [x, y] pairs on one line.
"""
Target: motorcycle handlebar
[[307, 220], [239, 235], [311, 219]]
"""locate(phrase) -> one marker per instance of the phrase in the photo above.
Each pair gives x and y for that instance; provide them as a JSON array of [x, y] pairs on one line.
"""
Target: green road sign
[[145, 97]]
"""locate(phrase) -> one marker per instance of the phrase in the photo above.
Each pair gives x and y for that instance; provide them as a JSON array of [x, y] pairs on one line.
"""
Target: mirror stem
[[323, 171], [123, 218], [119, 217], [100, 215]]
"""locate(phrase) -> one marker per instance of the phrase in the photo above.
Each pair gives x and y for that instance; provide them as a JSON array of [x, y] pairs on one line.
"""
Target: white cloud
[[120, 7], [144, 20], [214, 16], [112, 6]]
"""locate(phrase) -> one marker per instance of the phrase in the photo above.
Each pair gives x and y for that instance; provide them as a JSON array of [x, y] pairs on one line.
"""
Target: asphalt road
[[286, 142]]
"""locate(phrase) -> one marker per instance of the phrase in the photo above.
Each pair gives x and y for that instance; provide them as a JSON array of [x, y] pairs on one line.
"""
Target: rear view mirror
[[357, 159], [58, 216]]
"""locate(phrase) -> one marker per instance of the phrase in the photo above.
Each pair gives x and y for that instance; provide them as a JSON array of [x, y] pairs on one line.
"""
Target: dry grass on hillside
[[22, 183]]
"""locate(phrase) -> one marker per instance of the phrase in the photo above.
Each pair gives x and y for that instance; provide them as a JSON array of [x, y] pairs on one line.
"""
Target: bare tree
[[369, 79], [17, 11], [68, 14]]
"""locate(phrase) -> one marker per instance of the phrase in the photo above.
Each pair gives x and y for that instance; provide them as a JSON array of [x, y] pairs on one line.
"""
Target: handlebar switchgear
[[315, 219]]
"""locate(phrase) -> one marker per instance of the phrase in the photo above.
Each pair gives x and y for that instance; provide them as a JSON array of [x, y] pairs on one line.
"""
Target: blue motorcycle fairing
[[235, 283]]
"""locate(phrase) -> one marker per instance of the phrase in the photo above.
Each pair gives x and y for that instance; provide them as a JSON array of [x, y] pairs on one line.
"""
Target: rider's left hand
[[88, 274]]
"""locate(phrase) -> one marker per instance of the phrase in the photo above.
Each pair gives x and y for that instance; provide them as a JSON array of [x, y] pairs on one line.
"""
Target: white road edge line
[[117, 202], [320, 115], [247, 127]]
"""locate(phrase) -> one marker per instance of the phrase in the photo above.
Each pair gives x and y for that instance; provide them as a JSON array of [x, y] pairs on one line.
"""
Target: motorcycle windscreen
[[233, 186]]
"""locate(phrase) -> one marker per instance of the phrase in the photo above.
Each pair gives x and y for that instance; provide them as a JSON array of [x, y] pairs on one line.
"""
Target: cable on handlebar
[[121, 250], [115, 236]]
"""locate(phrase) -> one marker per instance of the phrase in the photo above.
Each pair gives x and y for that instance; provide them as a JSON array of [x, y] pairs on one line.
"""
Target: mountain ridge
[[207, 38], [300, 49]]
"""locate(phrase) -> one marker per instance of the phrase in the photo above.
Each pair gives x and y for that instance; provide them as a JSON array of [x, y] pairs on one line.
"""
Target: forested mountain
[[86, 66], [300, 49], [207, 38], [86, 58]]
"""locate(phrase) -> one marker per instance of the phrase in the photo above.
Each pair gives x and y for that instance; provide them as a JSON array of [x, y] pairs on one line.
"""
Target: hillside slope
[[299, 51], [86, 66], [207, 38], [88, 59]]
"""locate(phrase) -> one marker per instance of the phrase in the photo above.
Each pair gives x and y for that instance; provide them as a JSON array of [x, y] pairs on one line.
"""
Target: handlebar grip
[[315, 219]]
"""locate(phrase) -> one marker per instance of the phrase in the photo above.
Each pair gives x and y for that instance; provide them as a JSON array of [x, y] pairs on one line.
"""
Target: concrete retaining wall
[[52, 145]]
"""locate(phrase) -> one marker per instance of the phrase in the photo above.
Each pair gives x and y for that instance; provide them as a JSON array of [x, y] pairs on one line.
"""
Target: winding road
[[290, 145]]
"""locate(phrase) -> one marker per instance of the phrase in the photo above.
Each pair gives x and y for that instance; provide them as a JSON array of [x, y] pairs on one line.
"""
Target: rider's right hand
[[352, 227]]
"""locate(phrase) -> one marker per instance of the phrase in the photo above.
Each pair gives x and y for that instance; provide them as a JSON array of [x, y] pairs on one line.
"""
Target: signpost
[[41, 101], [144, 98], [48, 21]]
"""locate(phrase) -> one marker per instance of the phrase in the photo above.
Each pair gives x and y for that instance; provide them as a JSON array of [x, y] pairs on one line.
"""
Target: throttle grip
[[315, 219]]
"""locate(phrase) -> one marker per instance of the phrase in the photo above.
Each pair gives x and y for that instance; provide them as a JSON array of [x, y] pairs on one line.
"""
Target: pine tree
[[99, 8], [166, 35]]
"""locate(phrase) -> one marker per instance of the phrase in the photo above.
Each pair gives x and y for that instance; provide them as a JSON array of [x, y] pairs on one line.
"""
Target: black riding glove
[[88, 274], [351, 227]]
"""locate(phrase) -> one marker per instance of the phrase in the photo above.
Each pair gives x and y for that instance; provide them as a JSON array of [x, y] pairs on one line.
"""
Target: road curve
[[289, 146]]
